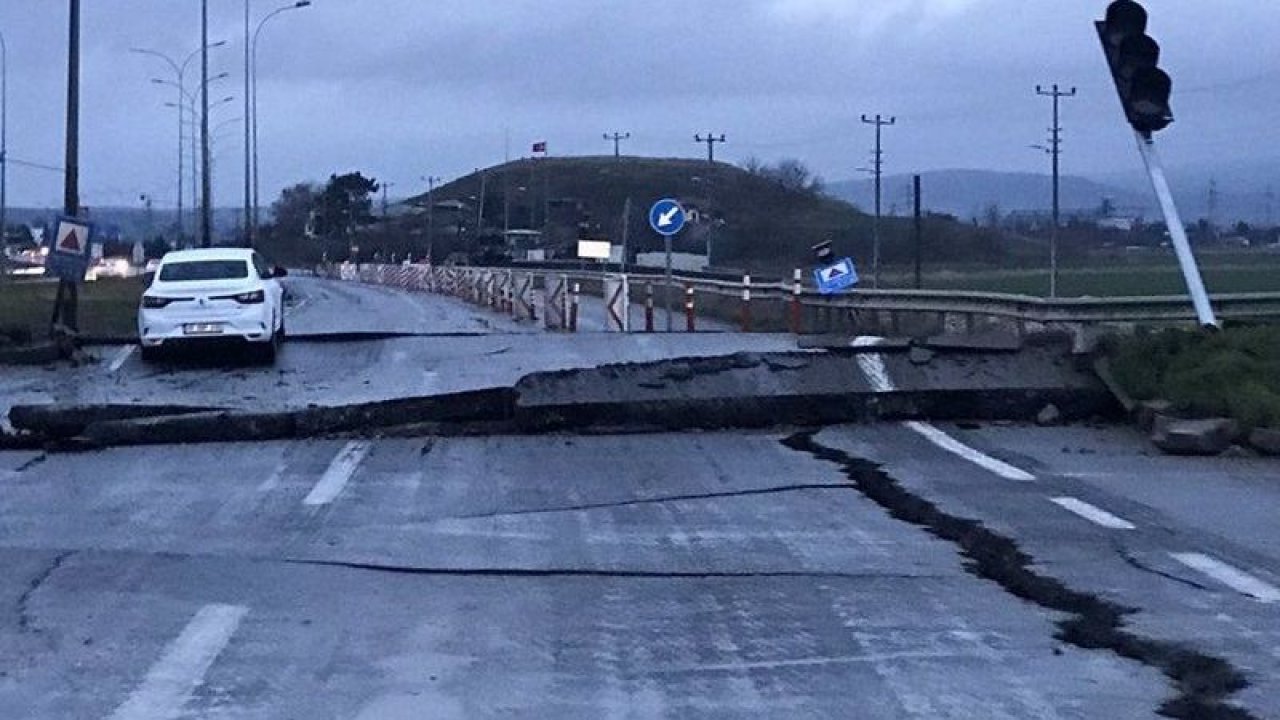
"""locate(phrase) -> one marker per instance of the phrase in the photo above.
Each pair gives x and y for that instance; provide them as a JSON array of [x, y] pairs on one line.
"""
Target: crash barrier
[[790, 306]]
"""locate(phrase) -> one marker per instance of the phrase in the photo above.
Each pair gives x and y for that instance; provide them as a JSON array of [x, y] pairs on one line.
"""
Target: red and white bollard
[[796, 318], [746, 303], [573, 307], [690, 324]]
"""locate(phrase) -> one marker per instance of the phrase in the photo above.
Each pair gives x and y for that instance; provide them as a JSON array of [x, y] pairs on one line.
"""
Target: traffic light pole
[[1177, 231]]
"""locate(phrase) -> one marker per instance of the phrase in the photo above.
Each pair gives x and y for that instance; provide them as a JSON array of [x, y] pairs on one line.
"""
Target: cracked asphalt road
[[868, 571], [655, 576]]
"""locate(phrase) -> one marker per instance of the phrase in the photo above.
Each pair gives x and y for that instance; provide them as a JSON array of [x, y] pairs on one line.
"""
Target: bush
[[1233, 373]]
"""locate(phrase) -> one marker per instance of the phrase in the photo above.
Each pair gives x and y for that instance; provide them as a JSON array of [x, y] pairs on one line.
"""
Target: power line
[[711, 141], [878, 169]]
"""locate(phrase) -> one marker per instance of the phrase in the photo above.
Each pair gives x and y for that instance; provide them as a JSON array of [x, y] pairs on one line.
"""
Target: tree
[[790, 174], [344, 204], [292, 211]]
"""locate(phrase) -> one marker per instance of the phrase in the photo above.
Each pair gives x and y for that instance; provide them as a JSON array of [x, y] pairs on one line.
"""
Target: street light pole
[[206, 181], [252, 91], [4, 152], [248, 100], [180, 73]]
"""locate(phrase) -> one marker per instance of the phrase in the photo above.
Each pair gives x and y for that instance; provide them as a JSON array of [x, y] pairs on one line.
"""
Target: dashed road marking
[[121, 358], [1233, 577], [1093, 513], [175, 676], [955, 447], [339, 472]]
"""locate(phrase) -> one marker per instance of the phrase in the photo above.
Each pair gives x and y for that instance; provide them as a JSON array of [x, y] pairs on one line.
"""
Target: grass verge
[[107, 307], [1232, 373]]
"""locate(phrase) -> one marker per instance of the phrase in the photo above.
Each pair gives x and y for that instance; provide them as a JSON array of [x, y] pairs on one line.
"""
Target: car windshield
[[196, 270]]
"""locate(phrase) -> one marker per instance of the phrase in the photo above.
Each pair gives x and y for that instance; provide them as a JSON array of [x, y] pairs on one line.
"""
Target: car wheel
[[267, 351], [150, 355]]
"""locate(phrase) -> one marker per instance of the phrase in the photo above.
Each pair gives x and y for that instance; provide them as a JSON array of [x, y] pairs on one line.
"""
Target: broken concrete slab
[[1049, 415], [59, 421], [921, 355], [831, 387], [1194, 437], [230, 426], [40, 354], [986, 341]]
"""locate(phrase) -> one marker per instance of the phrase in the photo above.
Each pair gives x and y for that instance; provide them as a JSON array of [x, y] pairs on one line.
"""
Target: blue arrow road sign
[[667, 217], [835, 278]]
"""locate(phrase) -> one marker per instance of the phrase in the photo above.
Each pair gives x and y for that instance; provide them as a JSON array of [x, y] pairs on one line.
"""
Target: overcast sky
[[401, 89]]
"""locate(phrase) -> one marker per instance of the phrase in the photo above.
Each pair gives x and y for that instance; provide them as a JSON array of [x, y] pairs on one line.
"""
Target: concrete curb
[[64, 421]]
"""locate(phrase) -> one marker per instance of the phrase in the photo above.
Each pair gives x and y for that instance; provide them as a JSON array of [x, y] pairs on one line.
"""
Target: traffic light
[[1134, 59]]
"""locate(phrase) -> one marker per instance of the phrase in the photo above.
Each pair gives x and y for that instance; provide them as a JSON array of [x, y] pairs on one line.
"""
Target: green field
[[1263, 275], [108, 307]]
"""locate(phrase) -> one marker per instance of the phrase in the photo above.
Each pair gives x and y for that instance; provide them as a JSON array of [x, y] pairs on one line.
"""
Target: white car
[[213, 294]]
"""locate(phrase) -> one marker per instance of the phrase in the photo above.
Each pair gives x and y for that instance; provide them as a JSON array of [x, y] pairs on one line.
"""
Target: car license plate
[[203, 329]]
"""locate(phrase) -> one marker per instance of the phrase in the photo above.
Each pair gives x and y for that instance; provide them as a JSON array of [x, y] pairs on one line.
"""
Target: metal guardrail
[[510, 289]]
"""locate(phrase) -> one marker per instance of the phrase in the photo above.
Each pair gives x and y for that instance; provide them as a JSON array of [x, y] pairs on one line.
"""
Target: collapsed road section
[[744, 390]]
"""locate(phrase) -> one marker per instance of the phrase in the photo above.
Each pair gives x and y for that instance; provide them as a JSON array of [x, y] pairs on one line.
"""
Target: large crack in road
[[1204, 683]]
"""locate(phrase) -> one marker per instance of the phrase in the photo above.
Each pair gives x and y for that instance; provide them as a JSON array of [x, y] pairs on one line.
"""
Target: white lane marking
[[121, 358], [1233, 577], [335, 478], [1093, 513], [872, 365], [955, 447], [175, 676]]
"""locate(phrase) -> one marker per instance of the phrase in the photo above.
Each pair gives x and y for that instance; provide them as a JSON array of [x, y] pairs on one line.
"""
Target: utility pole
[[65, 304], [1055, 151], [711, 141], [484, 189], [880, 122], [919, 231], [617, 139], [385, 186], [626, 231], [1213, 208], [206, 186]]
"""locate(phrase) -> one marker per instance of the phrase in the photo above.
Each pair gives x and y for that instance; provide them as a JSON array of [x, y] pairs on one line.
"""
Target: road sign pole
[[668, 276]]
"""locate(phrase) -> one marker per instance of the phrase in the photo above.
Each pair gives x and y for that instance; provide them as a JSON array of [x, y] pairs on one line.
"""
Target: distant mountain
[[1246, 190], [968, 194]]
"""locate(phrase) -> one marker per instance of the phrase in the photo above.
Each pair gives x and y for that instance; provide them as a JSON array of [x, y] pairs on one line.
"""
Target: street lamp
[[180, 71], [251, 104]]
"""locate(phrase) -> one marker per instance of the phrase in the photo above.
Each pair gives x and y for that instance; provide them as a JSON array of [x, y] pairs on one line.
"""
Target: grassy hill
[[754, 222]]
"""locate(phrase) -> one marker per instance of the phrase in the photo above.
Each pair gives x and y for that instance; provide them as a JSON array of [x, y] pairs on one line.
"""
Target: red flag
[[540, 147]]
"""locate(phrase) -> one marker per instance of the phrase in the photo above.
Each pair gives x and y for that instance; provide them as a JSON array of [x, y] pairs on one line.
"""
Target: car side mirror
[[279, 272]]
